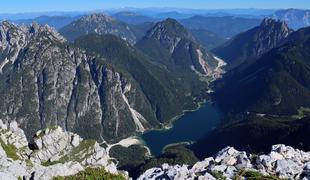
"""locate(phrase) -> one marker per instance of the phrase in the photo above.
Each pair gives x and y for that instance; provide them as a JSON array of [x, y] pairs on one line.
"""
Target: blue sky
[[13, 6]]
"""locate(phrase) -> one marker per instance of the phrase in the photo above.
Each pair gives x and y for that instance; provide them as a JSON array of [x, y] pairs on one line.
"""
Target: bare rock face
[[13, 39], [11, 134], [56, 153], [45, 82], [283, 162], [56, 145]]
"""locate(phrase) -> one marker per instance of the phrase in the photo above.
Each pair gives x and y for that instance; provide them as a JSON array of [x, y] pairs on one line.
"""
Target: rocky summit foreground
[[52, 153], [283, 162]]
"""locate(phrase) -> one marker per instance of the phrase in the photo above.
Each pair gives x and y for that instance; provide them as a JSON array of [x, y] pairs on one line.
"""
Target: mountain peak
[[29, 30], [254, 42], [269, 22], [279, 28], [180, 49], [171, 20], [36, 29], [100, 24], [13, 38], [6, 23], [169, 29]]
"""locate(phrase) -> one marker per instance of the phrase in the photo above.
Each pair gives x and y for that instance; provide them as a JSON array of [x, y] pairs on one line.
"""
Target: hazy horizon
[[33, 6], [159, 9]]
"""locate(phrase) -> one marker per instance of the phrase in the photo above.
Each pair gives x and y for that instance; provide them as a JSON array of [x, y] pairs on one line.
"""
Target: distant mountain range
[[151, 12], [296, 18], [33, 15], [54, 21], [225, 27], [210, 27], [207, 38], [155, 12], [130, 24], [133, 18]]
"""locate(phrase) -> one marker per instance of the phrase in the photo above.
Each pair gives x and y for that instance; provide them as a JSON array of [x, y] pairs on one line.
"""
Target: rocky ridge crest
[[14, 38]]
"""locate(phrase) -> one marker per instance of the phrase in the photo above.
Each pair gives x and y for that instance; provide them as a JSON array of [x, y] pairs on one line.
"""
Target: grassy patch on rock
[[92, 174], [253, 175], [43, 131], [10, 150], [77, 154], [218, 175]]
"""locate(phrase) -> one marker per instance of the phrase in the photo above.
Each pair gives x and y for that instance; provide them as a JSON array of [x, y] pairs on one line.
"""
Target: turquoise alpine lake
[[190, 127]]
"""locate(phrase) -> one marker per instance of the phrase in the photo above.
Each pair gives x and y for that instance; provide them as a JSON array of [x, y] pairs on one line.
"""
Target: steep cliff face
[[254, 42], [100, 24], [45, 82]]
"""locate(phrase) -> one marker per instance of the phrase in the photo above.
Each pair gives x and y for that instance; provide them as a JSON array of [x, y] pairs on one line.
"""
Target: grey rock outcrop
[[56, 145], [283, 162], [54, 154]]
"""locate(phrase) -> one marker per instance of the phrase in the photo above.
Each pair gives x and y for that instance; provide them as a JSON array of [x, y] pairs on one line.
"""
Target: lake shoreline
[[169, 124], [138, 139], [186, 128]]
